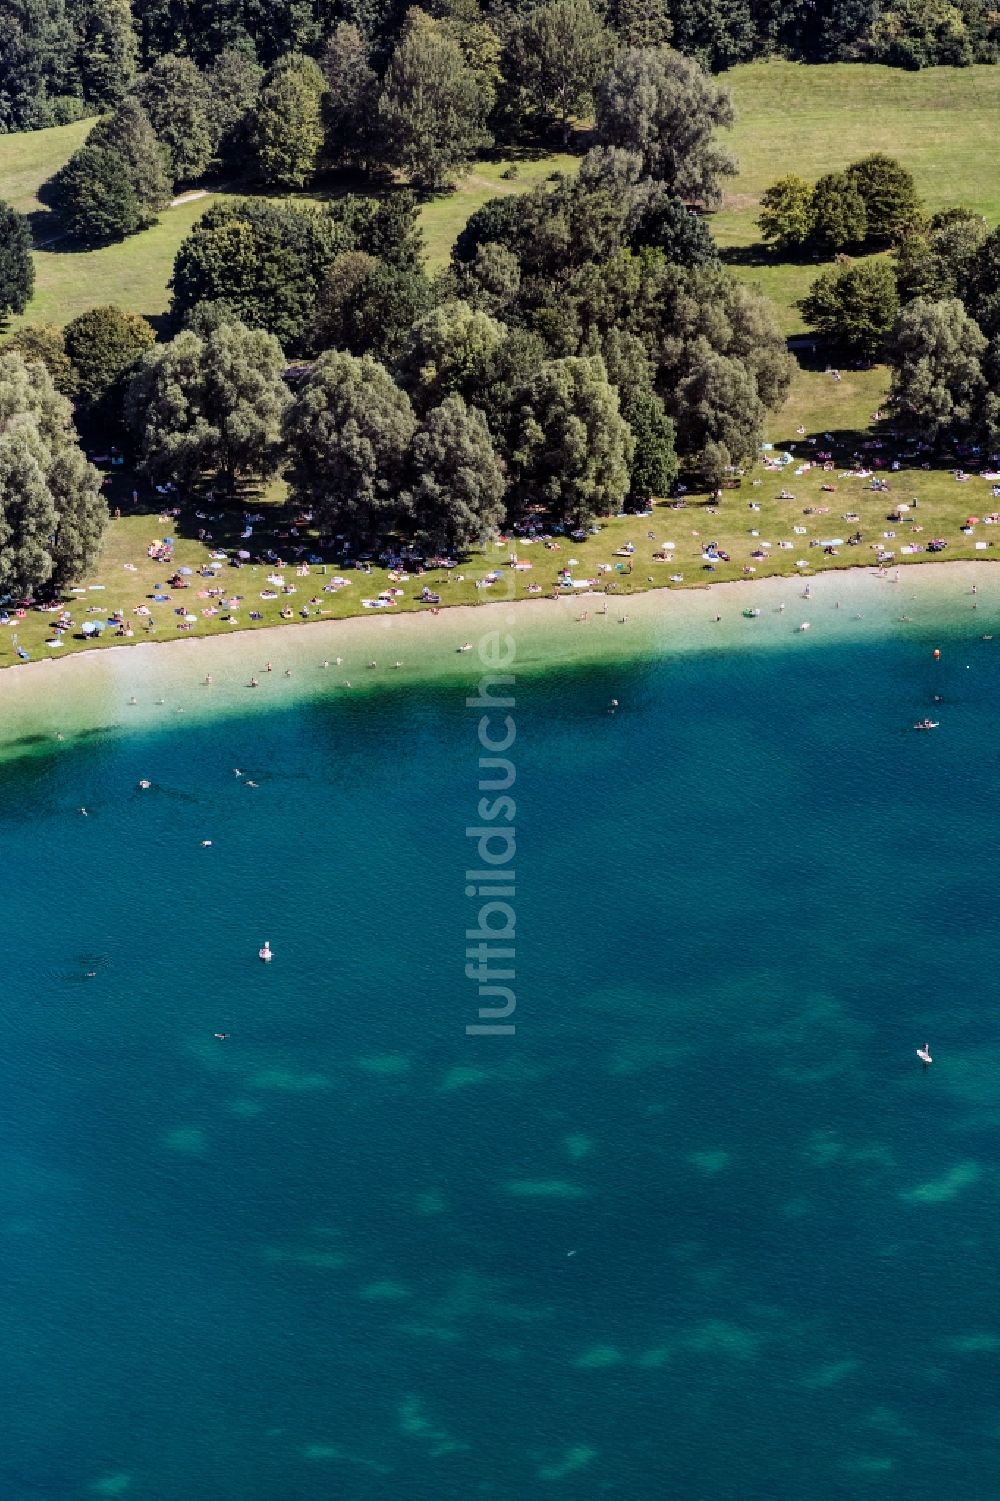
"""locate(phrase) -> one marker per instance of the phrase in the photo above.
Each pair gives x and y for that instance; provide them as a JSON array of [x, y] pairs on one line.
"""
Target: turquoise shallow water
[[330, 1255]]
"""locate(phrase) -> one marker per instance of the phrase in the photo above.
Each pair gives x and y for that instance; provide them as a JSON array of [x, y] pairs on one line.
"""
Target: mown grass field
[[792, 118], [940, 123]]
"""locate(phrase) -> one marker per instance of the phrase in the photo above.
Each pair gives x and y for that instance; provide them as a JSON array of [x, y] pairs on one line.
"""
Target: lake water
[[700, 1228]]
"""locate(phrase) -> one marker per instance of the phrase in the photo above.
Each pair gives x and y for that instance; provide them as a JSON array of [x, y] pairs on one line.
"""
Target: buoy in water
[[266, 952]]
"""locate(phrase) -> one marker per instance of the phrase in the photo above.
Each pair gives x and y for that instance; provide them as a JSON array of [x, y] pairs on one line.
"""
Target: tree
[[81, 512], [854, 305], [491, 283], [458, 487], [718, 33], [640, 23], [665, 108], [432, 114], [723, 414], [103, 344], [45, 344], [498, 222], [266, 260], [444, 352], [288, 130], [838, 213], [557, 55], [667, 224], [52, 512], [938, 260], [982, 291], [129, 133], [234, 82], [210, 404], [368, 307], [351, 96], [348, 434], [921, 34], [496, 384], [654, 462], [786, 213], [889, 194], [107, 50], [94, 197], [28, 515], [17, 269], [388, 228], [937, 353], [719, 356], [573, 447], [175, 97], [22, 75]]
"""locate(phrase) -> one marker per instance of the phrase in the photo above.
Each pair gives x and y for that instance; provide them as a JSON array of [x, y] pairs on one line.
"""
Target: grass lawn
[[133, 273], [29, 158], [442, 218], [940, 123], [823, 514]]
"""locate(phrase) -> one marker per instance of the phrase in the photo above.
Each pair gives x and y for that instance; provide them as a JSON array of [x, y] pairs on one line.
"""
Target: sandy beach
[[150, 682]]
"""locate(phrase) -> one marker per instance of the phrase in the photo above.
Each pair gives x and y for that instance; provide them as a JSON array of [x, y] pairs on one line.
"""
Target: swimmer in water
[[84, 812], [253, 683], [208, 680]]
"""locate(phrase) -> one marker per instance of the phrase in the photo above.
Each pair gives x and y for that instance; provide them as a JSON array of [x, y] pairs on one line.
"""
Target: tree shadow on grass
[[759, 255]]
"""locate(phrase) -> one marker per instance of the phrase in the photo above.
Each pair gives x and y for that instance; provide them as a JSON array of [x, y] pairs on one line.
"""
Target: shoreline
[[143, 683]]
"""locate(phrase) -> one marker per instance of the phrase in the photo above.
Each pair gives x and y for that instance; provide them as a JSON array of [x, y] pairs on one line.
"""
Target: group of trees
[[583, 341], [931, 308], [52, 512], [944, 346], [89, 360], [62, 58], [872, 203], [423, 91]]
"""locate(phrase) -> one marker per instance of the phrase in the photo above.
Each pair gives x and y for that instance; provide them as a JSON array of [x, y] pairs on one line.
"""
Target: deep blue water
[[329, 1256]]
